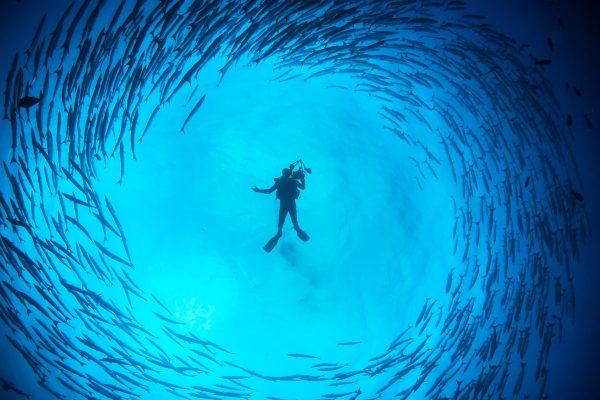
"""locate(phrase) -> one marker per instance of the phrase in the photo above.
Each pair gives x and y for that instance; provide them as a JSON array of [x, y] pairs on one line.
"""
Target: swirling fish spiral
[[451, 91]]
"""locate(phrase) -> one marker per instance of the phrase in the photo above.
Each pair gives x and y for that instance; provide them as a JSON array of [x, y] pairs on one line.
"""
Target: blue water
[[381, 225]]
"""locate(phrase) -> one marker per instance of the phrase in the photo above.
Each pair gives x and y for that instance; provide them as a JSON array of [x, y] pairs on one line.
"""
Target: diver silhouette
[[288, 187]]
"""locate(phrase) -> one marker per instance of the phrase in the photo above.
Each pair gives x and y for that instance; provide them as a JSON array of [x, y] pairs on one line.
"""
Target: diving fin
[[302, 235], [272, 243]]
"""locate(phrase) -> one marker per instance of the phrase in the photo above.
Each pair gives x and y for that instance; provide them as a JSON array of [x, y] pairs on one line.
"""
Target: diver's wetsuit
[[287, 193]]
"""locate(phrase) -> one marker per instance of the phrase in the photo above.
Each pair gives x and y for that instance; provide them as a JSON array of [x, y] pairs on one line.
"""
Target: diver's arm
[[266, 191], [302, 184]]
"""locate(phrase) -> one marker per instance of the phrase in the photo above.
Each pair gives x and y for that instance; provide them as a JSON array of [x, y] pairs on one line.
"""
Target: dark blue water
[[380, 211]]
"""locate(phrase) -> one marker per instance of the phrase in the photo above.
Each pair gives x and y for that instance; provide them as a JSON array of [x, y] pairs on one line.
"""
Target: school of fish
[[472, 107]]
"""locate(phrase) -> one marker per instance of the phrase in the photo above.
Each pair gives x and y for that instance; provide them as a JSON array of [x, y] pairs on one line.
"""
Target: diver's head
[[286, 172]]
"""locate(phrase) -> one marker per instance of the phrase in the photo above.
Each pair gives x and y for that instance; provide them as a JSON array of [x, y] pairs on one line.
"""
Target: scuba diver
[[287, 187]]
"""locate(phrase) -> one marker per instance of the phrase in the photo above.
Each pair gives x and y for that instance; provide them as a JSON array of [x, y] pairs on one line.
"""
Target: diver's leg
[[301, 234], [293, 214], [283, 210]]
